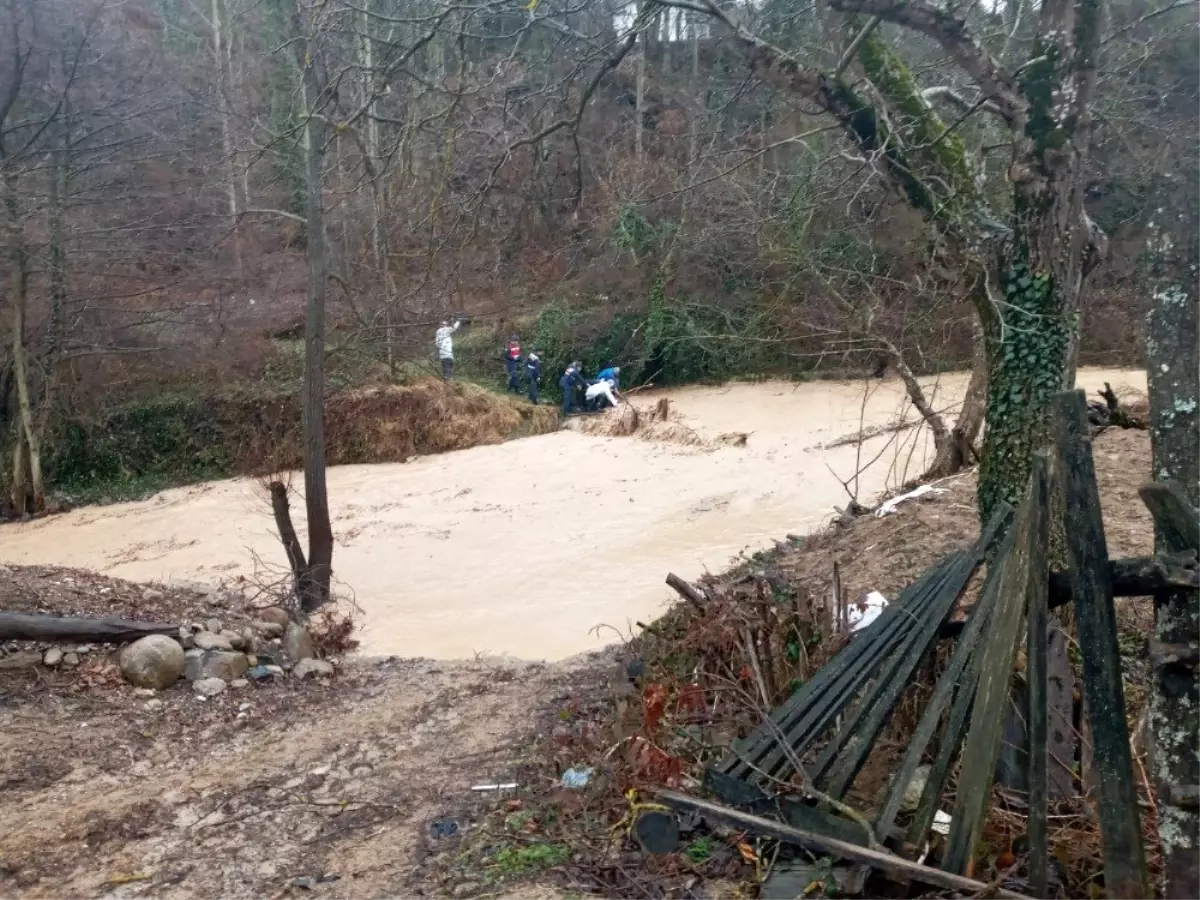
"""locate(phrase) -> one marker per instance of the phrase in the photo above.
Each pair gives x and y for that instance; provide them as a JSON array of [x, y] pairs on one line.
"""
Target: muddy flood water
[[525, 548]]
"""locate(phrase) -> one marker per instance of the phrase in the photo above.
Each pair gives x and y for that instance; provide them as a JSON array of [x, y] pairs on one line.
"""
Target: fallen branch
[[876, 859], [20, 627], [686, 591]]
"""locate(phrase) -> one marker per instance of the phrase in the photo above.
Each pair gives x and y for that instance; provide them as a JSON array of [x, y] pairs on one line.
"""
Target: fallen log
[[686, 591], [820, 844], [21, 627]]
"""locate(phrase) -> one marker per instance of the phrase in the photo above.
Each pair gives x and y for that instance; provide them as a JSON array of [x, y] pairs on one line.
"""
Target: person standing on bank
[[512, 362], [533, 374], [570, 382], [445, 346]]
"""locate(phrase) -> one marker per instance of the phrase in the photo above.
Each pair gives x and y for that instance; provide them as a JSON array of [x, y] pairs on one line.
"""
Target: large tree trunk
[[314, 588], [1031, 326], [1173, 376]]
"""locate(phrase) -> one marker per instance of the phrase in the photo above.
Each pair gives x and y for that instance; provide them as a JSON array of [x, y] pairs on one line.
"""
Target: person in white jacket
[[601, 390], [445, 346]]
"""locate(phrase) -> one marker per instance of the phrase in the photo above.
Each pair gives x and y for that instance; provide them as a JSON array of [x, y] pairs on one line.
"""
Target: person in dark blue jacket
[[533, 374], [571, 382]]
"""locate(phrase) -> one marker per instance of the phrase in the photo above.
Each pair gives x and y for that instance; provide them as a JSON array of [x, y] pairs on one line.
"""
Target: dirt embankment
[[180, 438]]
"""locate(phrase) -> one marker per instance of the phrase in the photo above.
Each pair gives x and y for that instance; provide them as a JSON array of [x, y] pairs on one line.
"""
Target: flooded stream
[[525, 548]]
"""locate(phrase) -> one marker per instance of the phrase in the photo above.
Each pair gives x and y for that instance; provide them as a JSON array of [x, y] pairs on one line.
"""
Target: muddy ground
[[336, 789], [321, 789]]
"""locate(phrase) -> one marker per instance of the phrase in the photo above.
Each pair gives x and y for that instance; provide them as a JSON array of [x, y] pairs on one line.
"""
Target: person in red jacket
[[512, 363]]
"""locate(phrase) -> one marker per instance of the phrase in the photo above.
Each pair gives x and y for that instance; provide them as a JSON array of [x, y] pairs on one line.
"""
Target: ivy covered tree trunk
[[1032, 323]]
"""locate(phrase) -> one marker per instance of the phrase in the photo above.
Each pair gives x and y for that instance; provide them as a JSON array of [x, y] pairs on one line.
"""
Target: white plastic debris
[[889, 506], [861, 614], [508, 786], [577, 777], [941, 822]]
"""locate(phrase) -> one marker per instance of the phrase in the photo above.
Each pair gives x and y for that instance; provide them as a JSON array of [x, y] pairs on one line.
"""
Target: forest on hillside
[[623, 180]]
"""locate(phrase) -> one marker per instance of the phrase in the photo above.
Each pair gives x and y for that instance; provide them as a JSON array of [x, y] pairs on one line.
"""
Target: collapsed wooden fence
[[823, 734]]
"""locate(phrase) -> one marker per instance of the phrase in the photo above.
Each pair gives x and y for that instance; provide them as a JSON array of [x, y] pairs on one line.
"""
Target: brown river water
[[525, 548]]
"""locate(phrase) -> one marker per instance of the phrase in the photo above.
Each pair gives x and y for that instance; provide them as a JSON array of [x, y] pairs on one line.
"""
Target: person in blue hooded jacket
[[611, 374]]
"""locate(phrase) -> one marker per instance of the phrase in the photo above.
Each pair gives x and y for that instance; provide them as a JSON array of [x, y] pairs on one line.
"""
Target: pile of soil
[[658, 423]]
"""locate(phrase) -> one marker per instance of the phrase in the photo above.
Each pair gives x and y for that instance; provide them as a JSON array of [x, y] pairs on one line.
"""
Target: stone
[[268, 629], [21, 659], [84, 648], [196, 587], [276, 615], [297, 644], [224, 664], [70, 660], [185, 637], [312, 668], [152, 595], [209, 687], [207, 640], [914, 789], [239, 683], [265, 673], [53, 657], [249, 639], [154, 661], [214, 625], [235, 639], [153, 703], [196, 627], [252, 659]]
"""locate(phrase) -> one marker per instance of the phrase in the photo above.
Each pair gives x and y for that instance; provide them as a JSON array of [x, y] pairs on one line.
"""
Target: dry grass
[[389, 423]]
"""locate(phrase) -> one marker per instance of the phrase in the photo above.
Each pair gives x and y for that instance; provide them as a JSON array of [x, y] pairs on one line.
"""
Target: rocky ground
[[340, 786]]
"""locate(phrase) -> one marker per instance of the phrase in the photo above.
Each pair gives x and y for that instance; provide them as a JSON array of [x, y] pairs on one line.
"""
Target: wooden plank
[[1062, 740], [1037, 589], [982, 747], [968, 643], [1175, 519], [861, 732], [1087, 558], [960, 711], [867, 650], [824, 711], [805, 724], [876, 859]]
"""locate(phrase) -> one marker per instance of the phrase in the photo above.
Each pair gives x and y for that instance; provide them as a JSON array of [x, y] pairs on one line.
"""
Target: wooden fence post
[[1091, 586]]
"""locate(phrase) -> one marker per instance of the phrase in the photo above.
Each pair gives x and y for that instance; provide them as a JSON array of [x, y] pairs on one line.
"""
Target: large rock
[[155, 661], [224, 664], [277, 615], [207, 640], [236, 641], [312, 668], [297, 643]]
